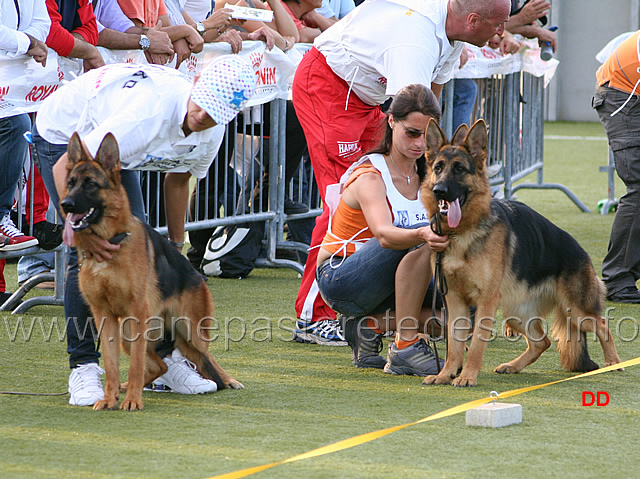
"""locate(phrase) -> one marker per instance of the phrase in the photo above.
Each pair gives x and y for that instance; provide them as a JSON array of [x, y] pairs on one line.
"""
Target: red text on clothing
[[348, 148], [3, 91], [41, 92]]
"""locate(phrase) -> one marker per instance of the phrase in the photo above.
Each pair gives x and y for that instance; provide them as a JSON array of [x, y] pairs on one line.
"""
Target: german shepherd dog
[[146, 278], [502, 253]]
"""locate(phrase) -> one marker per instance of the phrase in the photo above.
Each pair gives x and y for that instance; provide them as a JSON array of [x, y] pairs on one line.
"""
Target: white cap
[[224, 87]]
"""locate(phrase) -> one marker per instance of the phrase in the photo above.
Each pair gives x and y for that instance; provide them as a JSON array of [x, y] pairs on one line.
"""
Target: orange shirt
[[347, 221], [621, 68], [147, 11]]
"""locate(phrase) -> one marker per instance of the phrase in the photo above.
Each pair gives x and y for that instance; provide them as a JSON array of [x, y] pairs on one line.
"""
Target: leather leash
[[440, 285]]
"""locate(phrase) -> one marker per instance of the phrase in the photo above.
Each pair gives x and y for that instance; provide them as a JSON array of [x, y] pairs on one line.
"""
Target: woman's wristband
[[175, 244]]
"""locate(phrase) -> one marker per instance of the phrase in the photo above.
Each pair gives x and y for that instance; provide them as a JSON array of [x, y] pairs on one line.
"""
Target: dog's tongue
[[454, 214], [67, 233]]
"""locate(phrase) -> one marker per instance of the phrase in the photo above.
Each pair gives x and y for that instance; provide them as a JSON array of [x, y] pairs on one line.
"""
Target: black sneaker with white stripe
[[326, 333]]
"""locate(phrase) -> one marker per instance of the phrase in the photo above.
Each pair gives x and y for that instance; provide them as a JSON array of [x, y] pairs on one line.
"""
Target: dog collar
[[119, 238]]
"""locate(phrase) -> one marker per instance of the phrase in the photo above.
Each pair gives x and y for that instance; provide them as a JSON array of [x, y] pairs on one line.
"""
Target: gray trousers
[[621, 265]]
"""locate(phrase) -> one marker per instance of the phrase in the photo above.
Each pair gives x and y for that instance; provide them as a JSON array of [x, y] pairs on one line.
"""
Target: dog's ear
[[76, 150], [434, 139], [108, 155], [460, 135], [476, 143]]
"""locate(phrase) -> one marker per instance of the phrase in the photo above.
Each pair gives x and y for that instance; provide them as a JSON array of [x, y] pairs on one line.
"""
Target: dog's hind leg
[[569, 327], [197, 307], [598, 325], [537, 343], [109, 337]]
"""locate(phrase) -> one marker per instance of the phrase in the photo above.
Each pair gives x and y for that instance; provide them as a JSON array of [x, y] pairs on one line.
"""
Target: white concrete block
[[494, 414]]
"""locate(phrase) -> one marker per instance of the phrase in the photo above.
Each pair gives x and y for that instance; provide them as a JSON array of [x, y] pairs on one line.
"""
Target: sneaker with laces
[[326, 333], [85, 386], [182, 377], [417, 360], [365, 343], [15, 239]]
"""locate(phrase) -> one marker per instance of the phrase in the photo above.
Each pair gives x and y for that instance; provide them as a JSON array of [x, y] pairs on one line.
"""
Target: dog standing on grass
[[147, 278], [502, 253]]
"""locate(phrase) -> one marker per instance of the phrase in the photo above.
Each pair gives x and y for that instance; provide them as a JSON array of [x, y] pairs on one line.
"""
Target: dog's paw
[[132, 405], [611, 363], [105, 404], [507, 368], [233, 384], [464, 382], [437, 380]]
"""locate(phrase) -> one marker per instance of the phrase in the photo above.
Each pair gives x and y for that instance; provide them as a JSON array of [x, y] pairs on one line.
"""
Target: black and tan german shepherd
[[147, 278], [502, 253]]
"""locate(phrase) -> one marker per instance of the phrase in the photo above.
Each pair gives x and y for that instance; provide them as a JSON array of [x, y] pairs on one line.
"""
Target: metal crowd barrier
[[256, 191], [513, 107], [13, 303]]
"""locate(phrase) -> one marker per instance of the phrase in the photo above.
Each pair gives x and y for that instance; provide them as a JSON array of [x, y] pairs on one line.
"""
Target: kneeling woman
[[374, 264]]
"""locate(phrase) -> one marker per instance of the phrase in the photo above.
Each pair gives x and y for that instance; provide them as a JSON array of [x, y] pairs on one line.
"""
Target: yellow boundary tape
[[371, 436]]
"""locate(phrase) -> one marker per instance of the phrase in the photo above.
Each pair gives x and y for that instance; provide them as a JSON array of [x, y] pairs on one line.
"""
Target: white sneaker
[[85, 387], [183, 378]]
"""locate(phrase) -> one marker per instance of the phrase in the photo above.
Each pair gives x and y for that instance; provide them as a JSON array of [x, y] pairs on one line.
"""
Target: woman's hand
[[436, 242]]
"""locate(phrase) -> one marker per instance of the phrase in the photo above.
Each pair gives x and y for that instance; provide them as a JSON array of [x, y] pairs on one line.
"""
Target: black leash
[[440, 285]]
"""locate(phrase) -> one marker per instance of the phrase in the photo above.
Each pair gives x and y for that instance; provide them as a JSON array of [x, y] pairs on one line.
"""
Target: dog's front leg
[[136, 327], [458, 326], [483, 332], [107, 324]]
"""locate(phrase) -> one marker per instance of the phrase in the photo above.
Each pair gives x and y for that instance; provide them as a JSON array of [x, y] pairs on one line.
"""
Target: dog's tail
[[572, 342], [211, 372], [197, 352]]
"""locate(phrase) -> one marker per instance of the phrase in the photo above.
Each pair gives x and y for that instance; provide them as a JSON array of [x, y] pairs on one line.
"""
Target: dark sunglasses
[[410, 132]]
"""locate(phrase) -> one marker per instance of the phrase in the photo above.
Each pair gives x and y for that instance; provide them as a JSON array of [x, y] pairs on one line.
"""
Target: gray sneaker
[[417, 360], [365, 343]]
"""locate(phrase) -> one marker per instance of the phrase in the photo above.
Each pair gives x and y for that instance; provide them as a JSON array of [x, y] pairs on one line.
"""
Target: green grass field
[[300, 397]]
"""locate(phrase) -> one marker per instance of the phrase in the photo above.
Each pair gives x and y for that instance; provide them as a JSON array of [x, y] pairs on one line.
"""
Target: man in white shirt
[[162, 123], [24, 26], [354, 67]]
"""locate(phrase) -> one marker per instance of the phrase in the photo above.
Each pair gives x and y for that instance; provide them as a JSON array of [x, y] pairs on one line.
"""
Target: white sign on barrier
[[485, 62], [24, 83]]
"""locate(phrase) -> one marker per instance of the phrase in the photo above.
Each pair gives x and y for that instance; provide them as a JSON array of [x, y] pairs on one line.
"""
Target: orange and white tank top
[[347, 229]]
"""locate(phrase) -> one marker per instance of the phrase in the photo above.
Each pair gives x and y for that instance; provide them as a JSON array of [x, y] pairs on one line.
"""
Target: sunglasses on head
[[410, 132]]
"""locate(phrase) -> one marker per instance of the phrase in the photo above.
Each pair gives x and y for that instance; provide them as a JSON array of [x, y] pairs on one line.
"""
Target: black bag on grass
[[232, 250]]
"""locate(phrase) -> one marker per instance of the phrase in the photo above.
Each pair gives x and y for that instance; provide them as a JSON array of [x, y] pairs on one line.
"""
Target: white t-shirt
[[144, 107], [199, 10], [384, 45], [336, 8]]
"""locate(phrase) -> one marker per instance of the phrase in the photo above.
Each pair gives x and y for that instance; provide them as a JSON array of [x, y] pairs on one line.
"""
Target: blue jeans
[[14, 150], [465, 91], [363, 283], [81, 331]]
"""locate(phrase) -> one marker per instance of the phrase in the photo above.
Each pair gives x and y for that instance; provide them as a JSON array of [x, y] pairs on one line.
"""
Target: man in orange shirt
[[617, 104]]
